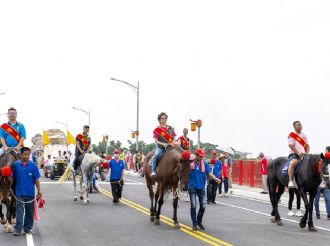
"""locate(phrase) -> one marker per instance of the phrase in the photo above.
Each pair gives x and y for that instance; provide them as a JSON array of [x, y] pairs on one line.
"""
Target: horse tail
[[65, 175]]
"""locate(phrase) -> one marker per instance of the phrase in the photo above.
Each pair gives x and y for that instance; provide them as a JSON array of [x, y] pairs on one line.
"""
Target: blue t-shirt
[[10, 141], [116, 169], [217, 168], [197, 178], [25, 178]]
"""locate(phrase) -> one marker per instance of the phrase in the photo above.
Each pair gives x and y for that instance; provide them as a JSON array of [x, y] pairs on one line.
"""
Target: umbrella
[[226, 149]]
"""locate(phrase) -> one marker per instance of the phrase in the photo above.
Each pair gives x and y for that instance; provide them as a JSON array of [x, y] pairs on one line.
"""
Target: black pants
[[212, 187], [293, 191], [116, 189], [77, 160]]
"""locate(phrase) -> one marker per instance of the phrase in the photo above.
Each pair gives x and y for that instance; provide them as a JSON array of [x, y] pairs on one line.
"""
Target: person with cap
[[224, 175], [196, 188], [83, 144], [26, 176], [12, 133], [164, 136], [184, 141], [263, 170], [116, 167], [212, 186]]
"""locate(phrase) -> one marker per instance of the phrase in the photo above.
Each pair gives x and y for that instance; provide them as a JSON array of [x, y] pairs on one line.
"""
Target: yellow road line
[[184, 228]]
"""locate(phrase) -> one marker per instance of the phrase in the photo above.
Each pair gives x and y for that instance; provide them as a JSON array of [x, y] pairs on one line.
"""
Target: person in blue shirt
[[196, 188], [116, 167], [26, 176], [12, 133], [212, 186]]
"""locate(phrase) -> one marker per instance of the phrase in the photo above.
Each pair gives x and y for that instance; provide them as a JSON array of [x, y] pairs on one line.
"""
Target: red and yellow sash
[[11, 131], [164, 134], [83, 140], [296, 137], [184, 143]]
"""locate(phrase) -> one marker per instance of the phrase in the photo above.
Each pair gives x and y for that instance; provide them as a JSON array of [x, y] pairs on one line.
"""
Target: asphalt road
[[233, 221]]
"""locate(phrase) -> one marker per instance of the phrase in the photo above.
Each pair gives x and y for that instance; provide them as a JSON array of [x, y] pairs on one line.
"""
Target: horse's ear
[[322, 156]]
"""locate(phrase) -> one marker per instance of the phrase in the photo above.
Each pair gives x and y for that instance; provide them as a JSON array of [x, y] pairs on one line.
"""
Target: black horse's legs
[[2, 216], [310, 212], [303, 220], [278, 197]]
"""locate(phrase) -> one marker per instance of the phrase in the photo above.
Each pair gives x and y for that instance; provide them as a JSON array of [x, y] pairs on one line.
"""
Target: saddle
[[285, 169]]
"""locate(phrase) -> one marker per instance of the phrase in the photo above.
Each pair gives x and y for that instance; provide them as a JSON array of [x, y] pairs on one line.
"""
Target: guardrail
[[246, 172]]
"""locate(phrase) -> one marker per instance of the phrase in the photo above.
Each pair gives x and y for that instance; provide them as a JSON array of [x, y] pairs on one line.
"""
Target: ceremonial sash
[[300, 140], [184, 143], [164, 134], [11, 131], [83, 140]]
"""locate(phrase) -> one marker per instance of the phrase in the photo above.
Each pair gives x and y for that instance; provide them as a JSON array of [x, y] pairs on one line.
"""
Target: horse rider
[[12, 133], [196, 187], [164, 136], [299, 146], [184, 141], [83, 144]]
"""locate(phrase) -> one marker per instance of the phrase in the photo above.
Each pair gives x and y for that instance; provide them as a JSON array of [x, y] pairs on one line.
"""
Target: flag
[[70, 139], [45, 139]]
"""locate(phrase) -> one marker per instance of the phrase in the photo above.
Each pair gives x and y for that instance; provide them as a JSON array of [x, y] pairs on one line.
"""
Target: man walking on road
[[196, 187]]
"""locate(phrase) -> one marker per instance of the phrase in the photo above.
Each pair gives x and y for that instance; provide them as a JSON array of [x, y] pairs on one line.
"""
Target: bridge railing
[[246, 172]]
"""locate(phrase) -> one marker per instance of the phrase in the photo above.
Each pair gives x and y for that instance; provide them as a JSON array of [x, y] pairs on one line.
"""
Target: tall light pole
[[198, 124], [136, 88], [86, 112]]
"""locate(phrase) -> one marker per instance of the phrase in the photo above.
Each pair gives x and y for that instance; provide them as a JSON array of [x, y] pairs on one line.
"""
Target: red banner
[[83, 140], [11, 131], [296, 137], [164, 134]]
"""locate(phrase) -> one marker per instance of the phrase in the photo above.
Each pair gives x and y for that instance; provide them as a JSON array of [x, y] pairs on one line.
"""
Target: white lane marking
[[267, 215], [29, 240], [132, 180], [267, 202]]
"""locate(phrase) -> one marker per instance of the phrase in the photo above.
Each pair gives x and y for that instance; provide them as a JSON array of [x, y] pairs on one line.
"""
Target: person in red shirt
[[184, 141], [263, 170]]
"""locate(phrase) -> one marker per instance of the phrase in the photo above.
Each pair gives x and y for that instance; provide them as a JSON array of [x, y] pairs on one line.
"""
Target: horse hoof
[[312, 228], [279, 222], [75, 199], [273, 220], [152, 218], [157, 222], [302, 225], [9, 229], [177, 226], [4, 221], [81, 198]]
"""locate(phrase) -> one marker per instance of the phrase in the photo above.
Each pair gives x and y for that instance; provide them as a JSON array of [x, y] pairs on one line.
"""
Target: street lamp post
[[197, 123], [86, 112], [136, 88]]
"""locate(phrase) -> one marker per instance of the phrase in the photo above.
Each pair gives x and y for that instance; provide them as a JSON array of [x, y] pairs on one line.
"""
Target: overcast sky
[[248, 69]]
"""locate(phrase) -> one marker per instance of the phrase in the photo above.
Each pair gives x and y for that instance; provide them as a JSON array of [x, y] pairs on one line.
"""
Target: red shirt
[[263, 166]]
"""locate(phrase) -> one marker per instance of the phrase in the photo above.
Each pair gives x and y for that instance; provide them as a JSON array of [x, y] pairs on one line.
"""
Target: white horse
[[85, 171]]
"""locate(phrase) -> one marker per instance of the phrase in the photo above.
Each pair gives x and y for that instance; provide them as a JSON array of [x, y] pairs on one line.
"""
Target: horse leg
[[303, 220], [175, 206], [86, 188], [160, 191], [8, 226], [279, 193], [156, 201], [151, 195], [272, 195], [2, 215], [75, 197], [81, 188], [310, 212]]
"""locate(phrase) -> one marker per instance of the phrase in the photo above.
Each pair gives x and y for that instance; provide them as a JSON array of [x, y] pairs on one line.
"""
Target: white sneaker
[[226, 195], [291, 213], [291, 184], [298, 213]]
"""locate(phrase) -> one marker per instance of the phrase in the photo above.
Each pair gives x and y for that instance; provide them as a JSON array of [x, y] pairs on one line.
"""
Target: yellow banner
[[70, 139], [45, 139]]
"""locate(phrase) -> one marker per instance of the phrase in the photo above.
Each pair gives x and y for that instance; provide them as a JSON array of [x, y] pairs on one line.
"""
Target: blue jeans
[[155, 158], [193, 194], [24, 221], [326, 194], [225, 184]]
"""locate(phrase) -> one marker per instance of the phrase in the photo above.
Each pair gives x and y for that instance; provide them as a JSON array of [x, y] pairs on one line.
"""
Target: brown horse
[[6, 187], [172, 174]]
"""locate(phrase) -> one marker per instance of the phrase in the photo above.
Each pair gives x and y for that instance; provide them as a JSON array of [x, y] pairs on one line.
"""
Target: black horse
[[6, 189], [312, 169]]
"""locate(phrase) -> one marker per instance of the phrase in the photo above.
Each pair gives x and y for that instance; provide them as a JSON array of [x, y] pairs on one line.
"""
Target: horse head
[[9, 157], [186, 159], [324, 168]]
